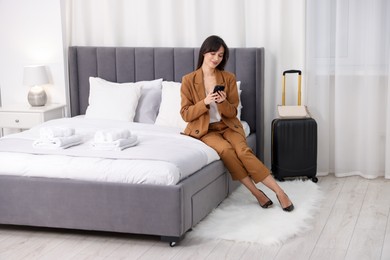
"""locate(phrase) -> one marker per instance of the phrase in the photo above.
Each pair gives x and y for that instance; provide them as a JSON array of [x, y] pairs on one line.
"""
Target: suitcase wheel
[[314, 179]]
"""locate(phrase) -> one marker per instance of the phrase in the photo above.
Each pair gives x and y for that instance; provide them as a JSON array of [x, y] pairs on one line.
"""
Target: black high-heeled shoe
[[288, 208], [268, 203]]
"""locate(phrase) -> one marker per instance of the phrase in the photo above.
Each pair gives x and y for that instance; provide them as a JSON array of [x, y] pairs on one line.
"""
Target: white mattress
[[163, 156]]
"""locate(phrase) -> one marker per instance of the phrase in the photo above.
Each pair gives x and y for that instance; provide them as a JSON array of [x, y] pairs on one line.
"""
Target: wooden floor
[[353, 223]]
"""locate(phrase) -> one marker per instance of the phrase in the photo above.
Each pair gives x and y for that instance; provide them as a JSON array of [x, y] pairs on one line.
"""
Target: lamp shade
[[35, 75]]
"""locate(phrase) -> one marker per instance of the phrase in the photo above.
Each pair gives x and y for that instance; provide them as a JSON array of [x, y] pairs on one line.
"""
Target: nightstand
[[25, 116]]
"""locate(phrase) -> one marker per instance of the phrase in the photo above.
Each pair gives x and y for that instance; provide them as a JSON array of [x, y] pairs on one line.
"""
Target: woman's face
[[213, 59]]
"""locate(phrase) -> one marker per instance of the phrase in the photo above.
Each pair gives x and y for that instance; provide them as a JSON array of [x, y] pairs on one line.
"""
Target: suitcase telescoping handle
[[284, 86]]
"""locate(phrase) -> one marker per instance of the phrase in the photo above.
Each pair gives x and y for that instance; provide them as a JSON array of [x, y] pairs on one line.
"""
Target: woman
[[211, 117]]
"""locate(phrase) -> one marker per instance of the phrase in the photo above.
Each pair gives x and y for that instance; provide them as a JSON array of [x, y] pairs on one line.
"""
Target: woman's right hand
[[210, 98]]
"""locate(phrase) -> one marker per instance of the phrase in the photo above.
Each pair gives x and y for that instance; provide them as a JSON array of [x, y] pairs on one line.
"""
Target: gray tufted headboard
[[128, 64]]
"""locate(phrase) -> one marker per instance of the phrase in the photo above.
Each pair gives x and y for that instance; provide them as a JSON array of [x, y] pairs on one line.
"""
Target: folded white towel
[[117, 145], [111, 135], [52, 132], [58, 142]]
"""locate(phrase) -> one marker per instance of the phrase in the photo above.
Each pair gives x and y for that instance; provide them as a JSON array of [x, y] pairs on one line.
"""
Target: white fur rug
[[240, 218]]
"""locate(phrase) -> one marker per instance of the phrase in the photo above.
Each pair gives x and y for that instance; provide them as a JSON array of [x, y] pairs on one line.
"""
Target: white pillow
[[169, 114], [149, 102], [109, 100], [239, 98], [247, 129]]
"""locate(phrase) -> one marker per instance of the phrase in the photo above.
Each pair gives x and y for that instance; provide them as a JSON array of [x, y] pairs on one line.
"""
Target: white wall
[[30, 34]]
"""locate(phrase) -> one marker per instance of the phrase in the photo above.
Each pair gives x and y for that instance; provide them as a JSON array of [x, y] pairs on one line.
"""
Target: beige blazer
[[196, 113]]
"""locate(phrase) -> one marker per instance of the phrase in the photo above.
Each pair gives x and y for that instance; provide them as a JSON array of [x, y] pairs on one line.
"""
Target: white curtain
[[345, 59], [342, 46], [173, 23], [347, 66]]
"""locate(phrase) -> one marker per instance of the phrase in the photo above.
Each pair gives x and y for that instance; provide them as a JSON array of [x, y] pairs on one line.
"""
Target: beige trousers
[[237, 156]]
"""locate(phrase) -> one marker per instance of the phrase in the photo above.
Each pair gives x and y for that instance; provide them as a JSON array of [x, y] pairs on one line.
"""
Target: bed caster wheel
[[314, 179], [172, 240]]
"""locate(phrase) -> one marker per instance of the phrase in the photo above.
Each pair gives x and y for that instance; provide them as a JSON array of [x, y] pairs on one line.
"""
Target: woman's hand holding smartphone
[[221, 94], [217, 95]]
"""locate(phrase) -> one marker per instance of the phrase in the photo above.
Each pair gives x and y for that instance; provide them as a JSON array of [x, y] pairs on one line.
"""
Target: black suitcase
[[294, 145]]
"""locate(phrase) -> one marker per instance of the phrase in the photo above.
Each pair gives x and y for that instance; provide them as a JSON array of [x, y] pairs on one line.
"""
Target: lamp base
[[37, 96]]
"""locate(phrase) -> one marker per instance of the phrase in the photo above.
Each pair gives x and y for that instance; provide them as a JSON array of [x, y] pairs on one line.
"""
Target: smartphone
[[218, 88]]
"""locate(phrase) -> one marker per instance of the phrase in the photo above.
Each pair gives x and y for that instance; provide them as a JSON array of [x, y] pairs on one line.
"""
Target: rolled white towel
[[58, 142], [111, 135], [52, 132], [117, 145]]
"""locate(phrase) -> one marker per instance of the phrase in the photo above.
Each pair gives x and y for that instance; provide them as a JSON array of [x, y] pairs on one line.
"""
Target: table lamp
[[35, 77]]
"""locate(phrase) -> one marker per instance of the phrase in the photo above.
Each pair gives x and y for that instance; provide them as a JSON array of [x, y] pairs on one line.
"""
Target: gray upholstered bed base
[[166, 211]]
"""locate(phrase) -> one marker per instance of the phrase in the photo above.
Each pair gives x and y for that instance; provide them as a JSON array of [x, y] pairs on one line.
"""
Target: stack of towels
[[57, 138], [114, 139]]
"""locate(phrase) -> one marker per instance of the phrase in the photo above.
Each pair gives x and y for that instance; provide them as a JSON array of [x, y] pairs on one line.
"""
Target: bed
[[167, 211]]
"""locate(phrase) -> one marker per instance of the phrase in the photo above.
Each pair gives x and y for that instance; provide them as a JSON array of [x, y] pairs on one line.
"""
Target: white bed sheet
[[163, 156]]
